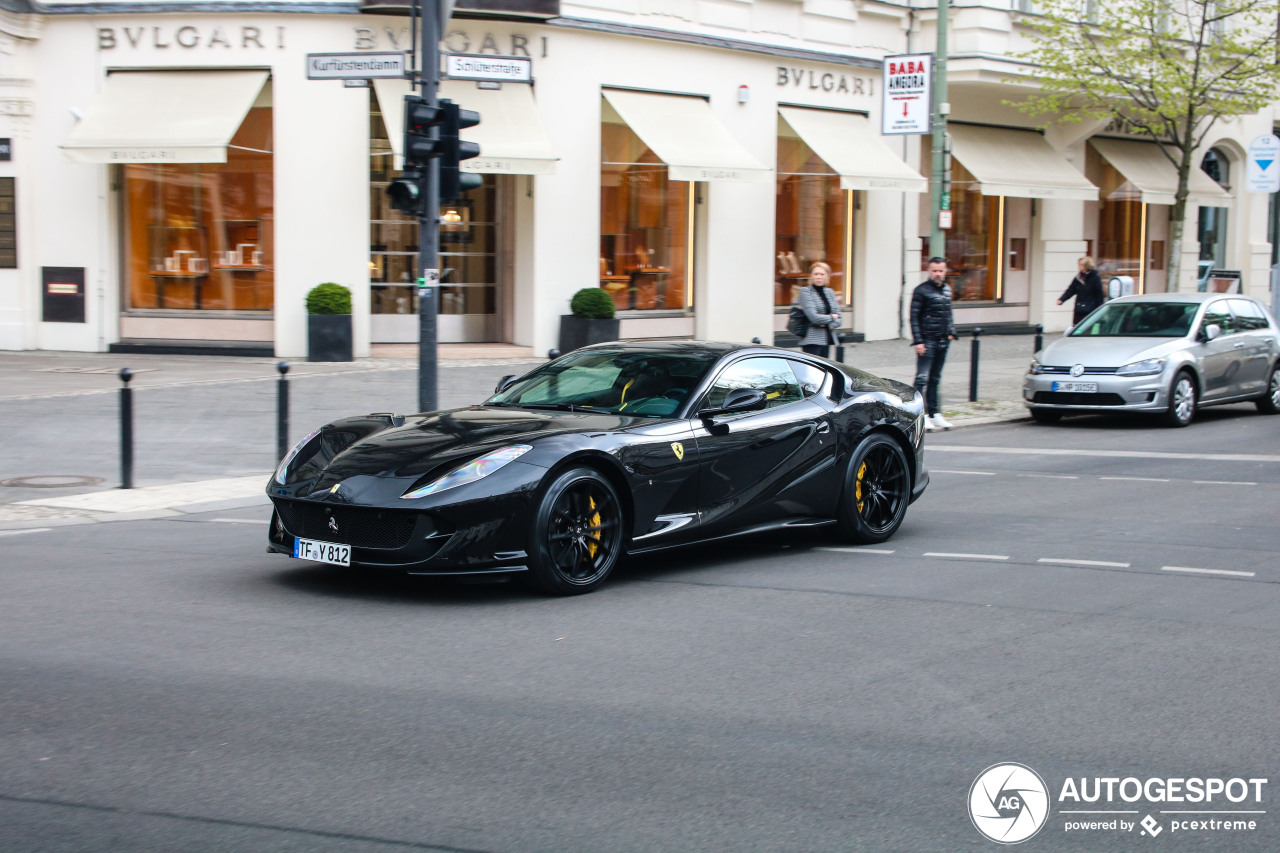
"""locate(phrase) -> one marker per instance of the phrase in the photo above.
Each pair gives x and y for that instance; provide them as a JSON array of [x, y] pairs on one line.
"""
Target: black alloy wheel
[[1269, 402], [1182, 401], [577, 534], [877, 490]]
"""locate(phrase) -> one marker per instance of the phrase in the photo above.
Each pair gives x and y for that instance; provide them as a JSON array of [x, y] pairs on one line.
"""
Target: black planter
[[578, 332], [329, 337]]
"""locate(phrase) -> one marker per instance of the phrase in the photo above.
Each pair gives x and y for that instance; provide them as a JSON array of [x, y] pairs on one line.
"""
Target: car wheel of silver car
[[577, 534], [877, 490], [1182, 401], [1269, 402]]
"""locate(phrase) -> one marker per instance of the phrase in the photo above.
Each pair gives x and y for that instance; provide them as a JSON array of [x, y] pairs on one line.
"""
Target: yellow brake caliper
[[595, 524], [857, 486]]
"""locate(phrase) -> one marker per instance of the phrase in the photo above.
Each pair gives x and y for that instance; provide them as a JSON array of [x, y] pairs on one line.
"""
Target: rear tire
[[1269, 402], [1045, 416], [1182, 401], [577, 534], [877, 489]]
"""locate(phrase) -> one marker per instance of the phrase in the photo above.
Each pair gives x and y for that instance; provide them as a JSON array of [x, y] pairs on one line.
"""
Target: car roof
[[712, 348], [1177, 297]]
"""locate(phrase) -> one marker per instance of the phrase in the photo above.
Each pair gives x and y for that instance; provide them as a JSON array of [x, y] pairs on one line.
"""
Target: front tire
[[1182, 401], [577, 534], [1269, 402], [877, 489]]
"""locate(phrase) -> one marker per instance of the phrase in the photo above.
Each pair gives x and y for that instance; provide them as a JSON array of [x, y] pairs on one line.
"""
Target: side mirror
[[1211, 331], [504, 383], [738, 400]]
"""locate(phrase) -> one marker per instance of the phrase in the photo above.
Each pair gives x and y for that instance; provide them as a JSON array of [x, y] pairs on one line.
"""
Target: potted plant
[[591, 320], [329, 323]]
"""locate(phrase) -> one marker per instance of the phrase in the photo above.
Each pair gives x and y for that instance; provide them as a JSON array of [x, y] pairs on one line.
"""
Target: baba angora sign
[[908, 88]]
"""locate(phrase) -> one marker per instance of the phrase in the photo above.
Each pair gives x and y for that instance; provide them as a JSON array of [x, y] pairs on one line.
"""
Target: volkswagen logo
[[1008, 803], [333, 524], [1077, 370]]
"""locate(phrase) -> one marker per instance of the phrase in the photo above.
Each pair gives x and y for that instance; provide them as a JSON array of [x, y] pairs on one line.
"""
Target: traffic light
[[453, 150], [408, 193]]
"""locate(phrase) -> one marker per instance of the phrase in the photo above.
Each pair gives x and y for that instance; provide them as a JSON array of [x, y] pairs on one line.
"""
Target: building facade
[[176, 180]]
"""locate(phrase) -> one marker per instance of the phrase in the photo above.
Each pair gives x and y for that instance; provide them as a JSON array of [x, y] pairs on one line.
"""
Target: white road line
[[1095, 453], [966, 556], [1139, 479], [28, 530], [1052, 476], [1222, 483], [1065, 562], [952, 471], [855, 550], [1206, 571], [242, 520]]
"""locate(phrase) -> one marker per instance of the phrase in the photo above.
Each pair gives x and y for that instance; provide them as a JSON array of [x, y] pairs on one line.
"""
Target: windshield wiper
[[566, 407]]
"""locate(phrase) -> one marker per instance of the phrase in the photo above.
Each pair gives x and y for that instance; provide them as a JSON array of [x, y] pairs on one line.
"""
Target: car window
[[1138, 319], [1218, 314], [773, 376], [811, 377], [1248, 315]]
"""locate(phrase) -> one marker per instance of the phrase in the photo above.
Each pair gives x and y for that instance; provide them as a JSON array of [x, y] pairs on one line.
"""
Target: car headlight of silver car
[[476, 469], [1034, 369], [282, 472], [1147, 367]]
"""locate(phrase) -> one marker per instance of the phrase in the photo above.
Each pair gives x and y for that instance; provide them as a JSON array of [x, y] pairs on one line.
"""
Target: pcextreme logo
[[1009, 803]]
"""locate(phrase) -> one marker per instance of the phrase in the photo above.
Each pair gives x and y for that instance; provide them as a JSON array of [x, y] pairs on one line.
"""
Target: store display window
[[646, 225], [973, 241], [199, 236], [813, 222]]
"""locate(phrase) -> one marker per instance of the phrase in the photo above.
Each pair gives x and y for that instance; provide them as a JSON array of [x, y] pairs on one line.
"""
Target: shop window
[[1211, 227], [1017, 253], [645, 225], [200, 236], [8, 225], [973, 240], [1157, 254], [1121, 222], [813, 222], [468, 241]]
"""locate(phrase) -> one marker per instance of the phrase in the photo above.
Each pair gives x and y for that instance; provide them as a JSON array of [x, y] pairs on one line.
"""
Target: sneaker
[[928, 423], [940, 422]]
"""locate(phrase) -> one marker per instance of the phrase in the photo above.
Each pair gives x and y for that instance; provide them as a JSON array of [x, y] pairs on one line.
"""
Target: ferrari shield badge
[[679, 450]]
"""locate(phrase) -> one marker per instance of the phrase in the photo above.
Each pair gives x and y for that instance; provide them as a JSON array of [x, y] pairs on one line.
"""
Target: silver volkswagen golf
[[1165, 354]]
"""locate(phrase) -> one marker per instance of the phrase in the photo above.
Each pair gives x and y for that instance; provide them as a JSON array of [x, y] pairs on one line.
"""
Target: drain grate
[[51, 481]]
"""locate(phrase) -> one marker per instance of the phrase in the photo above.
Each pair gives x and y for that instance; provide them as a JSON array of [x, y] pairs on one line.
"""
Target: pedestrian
[[822, 309], [932, 331], [1086, 287]]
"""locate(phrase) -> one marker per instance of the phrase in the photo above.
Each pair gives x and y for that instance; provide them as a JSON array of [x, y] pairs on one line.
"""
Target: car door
[[756, 467], [1219, 358], [1258, 348]]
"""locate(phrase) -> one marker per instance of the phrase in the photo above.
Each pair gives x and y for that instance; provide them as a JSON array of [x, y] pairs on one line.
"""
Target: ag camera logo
[[1008, 803]]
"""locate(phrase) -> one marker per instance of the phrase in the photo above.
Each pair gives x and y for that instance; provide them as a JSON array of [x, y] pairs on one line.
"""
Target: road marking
[[952, 471], [1121, 454], [1052, 476], [966, 556], [242, 520], [856, 550], [28, 530], [1139, 479], [1222, 483], [1066, 562], [1206, 571]]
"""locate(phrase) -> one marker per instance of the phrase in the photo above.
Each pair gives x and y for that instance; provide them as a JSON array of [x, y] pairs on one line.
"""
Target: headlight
[[1150, 367], [283, 471], [476, 469], [1034, 369]]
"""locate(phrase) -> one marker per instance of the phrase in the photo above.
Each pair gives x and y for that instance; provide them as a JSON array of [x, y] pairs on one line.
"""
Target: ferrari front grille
[[357, 526]]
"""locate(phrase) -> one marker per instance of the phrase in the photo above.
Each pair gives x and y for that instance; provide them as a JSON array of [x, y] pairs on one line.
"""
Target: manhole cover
[[51, 481]]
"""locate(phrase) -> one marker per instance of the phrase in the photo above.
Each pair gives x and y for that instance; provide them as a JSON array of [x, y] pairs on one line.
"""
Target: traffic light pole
[[429, 221]]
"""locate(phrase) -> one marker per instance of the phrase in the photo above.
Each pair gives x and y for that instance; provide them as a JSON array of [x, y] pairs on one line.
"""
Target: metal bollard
[[126, 430], [973, 365], [1039, 337], [755, 341], [282, 411], [553, 354]]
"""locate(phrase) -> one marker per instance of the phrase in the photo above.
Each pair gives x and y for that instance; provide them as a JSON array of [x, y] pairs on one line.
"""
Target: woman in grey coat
[[822, 308]]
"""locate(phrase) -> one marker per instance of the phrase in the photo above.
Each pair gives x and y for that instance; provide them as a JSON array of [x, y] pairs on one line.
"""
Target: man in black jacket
[[932, 331]]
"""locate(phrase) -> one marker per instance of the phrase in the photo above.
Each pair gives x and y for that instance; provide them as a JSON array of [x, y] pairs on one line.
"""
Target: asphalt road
[[167, 686]]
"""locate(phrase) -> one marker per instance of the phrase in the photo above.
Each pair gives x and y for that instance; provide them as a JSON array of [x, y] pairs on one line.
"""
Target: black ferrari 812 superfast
[[611, 449]]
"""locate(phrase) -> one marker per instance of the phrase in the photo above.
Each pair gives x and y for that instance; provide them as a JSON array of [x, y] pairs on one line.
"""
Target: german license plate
[[1078, 387], [322, 552]]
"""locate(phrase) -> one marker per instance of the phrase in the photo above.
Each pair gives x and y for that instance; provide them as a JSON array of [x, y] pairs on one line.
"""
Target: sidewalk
[[205, 427]]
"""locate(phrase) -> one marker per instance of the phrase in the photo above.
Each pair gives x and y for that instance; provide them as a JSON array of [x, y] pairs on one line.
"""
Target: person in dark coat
[[1086, 287], [932, 330], [822, 308]]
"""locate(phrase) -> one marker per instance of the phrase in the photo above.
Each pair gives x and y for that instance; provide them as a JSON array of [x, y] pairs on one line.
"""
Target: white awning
[[686, 135], [1155, 177], [854, 150], [1017, 163], [513, 140], [164, 117]]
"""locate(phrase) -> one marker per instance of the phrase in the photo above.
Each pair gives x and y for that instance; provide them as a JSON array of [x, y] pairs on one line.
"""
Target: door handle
[[824, 428], [1238, 345]]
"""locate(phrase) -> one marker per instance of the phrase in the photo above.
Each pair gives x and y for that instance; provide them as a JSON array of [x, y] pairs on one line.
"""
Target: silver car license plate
[[1078, 387], [322, 552]]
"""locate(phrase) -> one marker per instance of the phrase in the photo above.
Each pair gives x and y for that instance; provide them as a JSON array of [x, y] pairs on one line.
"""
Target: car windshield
[[1138, 320], [615, 381]]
